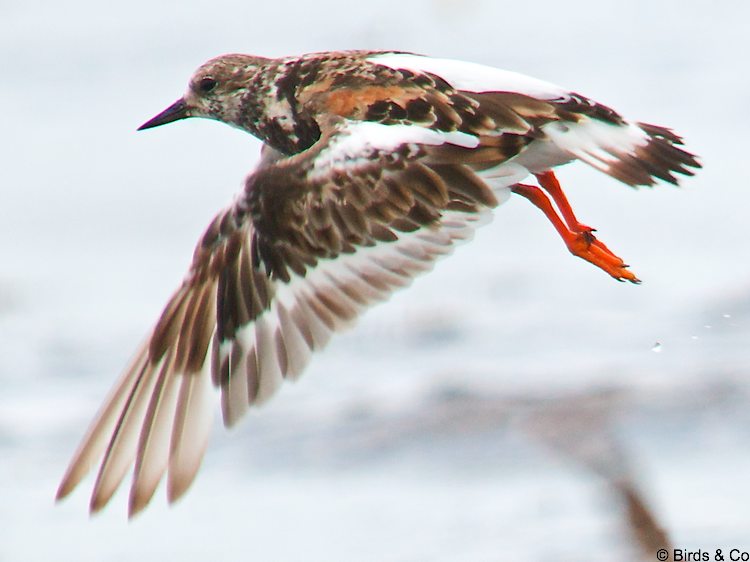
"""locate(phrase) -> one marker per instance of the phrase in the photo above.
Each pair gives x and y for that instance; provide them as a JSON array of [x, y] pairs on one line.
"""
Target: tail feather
[[634, 153], [660, 157]]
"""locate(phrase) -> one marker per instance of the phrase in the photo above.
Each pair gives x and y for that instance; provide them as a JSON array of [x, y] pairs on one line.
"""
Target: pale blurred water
[[408, 439]]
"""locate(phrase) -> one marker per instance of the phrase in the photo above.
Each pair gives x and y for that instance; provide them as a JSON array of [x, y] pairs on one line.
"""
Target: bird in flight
[[374, 165]]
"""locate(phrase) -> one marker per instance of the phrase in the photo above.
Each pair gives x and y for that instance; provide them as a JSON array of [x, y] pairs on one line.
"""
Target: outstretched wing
[[313, 241]]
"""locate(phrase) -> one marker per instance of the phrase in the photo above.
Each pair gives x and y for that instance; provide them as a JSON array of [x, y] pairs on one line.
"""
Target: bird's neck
[[270, 109]]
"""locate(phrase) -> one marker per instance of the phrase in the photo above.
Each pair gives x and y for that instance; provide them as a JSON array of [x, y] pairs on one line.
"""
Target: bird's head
[[215, 91]]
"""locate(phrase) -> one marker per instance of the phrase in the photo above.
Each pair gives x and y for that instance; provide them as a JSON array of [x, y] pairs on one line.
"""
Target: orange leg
[[579, 240], [549, 183]]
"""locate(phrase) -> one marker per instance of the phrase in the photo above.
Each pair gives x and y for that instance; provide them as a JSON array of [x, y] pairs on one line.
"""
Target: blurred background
[[514, 404]]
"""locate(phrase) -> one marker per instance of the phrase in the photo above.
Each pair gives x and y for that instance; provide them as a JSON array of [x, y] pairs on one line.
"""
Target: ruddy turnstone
[[374, 165]]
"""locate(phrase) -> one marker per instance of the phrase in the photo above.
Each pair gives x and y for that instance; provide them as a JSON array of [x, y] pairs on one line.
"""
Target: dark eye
[[206, 84]]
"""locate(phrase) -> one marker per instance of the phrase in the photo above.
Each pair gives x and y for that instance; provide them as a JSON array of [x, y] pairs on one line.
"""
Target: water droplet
[[656, 348], [693, 337], [708, 326], [726, 315]]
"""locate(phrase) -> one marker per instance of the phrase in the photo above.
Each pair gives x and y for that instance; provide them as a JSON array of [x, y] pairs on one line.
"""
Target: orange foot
[[578, 237]]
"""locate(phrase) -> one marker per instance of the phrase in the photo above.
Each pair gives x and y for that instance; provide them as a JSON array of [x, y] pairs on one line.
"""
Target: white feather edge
[[297, 317], [599, 144], [355, 142], [472, 77], [596, 143], [177, 409], [180, 406], [394, 263]]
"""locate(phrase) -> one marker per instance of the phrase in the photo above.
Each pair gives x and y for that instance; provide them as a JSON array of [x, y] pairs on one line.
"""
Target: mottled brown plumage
[[375, 164]]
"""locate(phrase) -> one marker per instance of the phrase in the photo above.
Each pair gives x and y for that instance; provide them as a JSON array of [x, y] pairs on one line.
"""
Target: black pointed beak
[[178, 110]]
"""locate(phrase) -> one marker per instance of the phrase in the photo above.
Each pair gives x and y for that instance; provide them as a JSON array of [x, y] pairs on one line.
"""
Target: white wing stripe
[[234, 400], [596, 138], [267, 359], [298, 351], [357, 140], [473, 77]]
